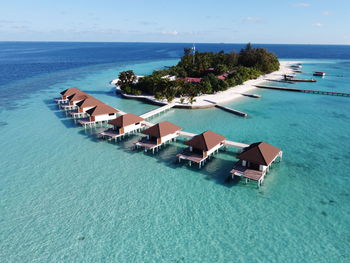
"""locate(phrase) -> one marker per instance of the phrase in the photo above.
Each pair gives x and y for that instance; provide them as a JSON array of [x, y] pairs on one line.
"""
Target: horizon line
[[166, 42]]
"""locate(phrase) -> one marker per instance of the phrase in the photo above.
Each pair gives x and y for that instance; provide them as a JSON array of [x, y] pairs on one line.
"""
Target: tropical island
[[199, 73]]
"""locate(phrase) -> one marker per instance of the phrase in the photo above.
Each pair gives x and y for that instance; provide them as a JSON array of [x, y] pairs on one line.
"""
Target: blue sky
[[228, 21]]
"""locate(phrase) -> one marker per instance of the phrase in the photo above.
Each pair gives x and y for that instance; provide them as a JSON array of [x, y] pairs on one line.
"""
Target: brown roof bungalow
[[77, 97], [69, 92], [100, 113], [83, 106], [64, 95], [201, 147], [158, 134], [123, 125], [255, 161], [125, 120], [88, 103]]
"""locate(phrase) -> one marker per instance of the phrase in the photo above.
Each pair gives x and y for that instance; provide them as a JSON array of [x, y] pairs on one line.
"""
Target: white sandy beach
[[230, 94]]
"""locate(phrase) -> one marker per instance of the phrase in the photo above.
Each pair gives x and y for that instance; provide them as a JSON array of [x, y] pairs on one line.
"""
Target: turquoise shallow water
[[67, 197]]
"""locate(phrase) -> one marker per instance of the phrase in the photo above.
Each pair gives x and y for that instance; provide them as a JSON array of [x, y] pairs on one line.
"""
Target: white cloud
[[317, 25], [253, 19], [327, 13], [301, 5], [170, 33]]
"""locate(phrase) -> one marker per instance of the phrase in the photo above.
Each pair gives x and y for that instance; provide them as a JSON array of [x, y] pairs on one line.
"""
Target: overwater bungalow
[[157, 135], [99, 114], [255, 161], [84, 106], [74, 99], [201, 147], [122, 125], [65, 94]]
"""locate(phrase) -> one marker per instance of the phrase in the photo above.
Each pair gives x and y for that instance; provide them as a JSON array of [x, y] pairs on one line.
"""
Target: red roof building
[[158, 134], [202, 146], [255, 161], [193, 80]]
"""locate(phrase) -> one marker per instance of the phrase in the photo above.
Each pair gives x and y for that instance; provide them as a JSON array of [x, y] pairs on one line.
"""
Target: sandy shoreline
[[223, 96]]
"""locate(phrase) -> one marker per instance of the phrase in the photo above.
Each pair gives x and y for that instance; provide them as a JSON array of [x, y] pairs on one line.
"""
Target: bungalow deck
[[89, 123], [248, 174], [60, 100], [78, 115], [111, 134], [68, 107], [150, 145], [194, 157]]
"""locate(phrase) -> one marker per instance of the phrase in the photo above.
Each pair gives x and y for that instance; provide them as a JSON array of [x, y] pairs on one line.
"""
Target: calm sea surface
[[67, 197]]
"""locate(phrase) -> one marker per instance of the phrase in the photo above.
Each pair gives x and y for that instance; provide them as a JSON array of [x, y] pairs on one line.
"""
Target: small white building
[[169, 77], [102, 112], [84, 106], [122, 125], [74, 99], [255, 161], [65, 94], [127, 123], [158, 134], [201, 147]]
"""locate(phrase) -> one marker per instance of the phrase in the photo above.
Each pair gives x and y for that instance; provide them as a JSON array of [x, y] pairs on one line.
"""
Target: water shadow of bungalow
[[101, 113], [74, 99], [202, 147], [123, 125], [84, 106], [65, 94], [157, 135], [255, 161]]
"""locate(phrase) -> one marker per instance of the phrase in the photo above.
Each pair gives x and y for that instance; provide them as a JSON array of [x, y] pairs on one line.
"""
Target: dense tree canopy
[[213, 72]]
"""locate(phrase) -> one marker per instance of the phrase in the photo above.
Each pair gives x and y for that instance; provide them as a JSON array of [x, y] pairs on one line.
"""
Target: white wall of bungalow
[[166, 137], [84, 109], [130, 128], [207, 153], [262, 168], [103, 117]]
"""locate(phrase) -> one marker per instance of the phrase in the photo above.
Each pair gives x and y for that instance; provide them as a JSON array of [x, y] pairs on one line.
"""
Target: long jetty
[[157, 111], [236, 112], [322, 92]]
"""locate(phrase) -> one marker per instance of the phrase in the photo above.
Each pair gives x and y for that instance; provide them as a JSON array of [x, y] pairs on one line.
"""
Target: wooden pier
[[322, 92], [300, 80], [236, 112], [256, 96], [157, 111], [281, 81]]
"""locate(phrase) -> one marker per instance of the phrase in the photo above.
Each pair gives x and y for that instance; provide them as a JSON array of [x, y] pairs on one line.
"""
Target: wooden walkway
[[157, 111], [322, 92], [236, 112]]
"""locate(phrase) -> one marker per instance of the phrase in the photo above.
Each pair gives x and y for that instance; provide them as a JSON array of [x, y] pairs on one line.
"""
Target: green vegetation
[[217, 72]]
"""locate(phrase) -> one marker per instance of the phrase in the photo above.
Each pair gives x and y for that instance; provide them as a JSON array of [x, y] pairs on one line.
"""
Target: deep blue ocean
[[66, 196]]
